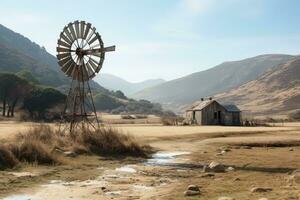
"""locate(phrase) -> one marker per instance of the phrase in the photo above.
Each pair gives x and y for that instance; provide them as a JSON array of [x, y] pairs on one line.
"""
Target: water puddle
[[164, 158], [20, 197], [113, 193], [126, 169], [142, 187]]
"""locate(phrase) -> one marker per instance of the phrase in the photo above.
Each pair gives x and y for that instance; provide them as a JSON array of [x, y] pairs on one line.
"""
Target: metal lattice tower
[[80, 53]]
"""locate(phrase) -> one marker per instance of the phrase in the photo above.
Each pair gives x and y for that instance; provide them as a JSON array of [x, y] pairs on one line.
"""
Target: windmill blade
[[91, 34], [67, 66], [77, 29], [93, 65], [69, 34], [60, 49], [63, 56], [63, 62], [70, 69], [94, 39], [82, 28], [90, 70], [90, 66], [88, 27], [62, 43], [70, 26], [65, 38]]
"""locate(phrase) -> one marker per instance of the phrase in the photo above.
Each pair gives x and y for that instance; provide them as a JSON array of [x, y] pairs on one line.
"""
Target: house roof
[[231, 108], [199, 105]]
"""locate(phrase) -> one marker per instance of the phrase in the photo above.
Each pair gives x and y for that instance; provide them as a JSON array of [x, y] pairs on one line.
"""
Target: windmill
[[80, 53]]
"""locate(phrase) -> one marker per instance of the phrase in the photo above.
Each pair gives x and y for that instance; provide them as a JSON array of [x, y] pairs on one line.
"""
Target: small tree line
[[22, 91]]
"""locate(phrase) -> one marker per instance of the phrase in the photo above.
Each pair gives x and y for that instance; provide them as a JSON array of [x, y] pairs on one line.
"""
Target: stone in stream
[[192, 190], [230, 169], [226, 198], [261, 189], [216, 167]]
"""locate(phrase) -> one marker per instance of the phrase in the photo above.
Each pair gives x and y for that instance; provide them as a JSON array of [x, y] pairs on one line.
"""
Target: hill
[[228, 75], [113, 82], [275, 92], [19, 53]]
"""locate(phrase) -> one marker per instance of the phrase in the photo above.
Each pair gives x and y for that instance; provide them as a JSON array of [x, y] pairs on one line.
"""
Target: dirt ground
[[258, 156]]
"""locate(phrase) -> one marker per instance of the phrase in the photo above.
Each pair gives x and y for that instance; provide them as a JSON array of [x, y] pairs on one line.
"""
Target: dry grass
[[110, 141], [7, 158], [39, 144]]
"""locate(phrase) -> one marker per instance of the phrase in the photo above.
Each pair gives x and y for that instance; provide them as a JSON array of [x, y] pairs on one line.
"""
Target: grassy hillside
[[18, 53], [276, 91], [210, 82]]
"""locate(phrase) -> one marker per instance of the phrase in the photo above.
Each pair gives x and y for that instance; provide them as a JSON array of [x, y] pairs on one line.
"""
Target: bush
[[110, 141], [33, 151], [7, 158]]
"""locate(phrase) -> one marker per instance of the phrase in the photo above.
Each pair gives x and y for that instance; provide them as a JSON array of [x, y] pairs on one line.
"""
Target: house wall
[[209, 114]]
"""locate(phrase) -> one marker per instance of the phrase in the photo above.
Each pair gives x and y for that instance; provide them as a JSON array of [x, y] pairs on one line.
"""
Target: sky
[[164, 38]]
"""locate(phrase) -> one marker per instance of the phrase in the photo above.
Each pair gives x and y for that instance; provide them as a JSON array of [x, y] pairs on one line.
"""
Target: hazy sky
[[165, 38]]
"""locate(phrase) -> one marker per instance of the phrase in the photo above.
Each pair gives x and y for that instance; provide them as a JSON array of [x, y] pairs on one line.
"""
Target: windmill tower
[[80, 53]]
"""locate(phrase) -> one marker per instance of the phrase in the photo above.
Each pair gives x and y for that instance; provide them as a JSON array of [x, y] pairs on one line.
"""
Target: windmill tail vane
[[80, 54]]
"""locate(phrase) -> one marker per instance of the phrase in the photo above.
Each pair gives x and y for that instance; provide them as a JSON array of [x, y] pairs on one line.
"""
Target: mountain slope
[[276, 91], [113, 82], [212, 81], [19, 53]]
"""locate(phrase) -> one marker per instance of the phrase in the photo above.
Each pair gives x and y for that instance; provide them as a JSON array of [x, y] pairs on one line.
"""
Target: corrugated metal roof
[[231, 108]]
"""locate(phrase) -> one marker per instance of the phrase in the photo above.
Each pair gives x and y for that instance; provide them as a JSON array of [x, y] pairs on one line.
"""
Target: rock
[[261, 189], [71, 154], [216, 167], [191, 193], [230, 169], [207, 175], [226, 198], [219, 154], [237, 179], [193, 188], [291, 149]]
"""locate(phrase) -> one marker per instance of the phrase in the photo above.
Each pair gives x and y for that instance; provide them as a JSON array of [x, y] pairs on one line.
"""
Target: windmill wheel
[[80, 51]]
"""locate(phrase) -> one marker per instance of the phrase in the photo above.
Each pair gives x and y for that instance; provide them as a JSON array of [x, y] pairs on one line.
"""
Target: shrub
[[107, 140], [7, 158], [33, 151]]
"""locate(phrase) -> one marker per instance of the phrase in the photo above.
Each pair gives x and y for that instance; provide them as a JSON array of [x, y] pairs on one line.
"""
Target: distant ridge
[[179, 92], [113, 82], [275, 92]]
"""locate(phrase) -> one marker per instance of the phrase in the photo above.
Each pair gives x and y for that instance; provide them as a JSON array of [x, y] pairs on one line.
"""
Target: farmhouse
[[211, 112]]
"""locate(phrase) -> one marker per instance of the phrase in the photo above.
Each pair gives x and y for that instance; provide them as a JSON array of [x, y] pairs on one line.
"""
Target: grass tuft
[[7, 158], [40, 144]]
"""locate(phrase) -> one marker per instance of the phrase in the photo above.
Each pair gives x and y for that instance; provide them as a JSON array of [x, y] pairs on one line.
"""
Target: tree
[[42, 99], [120, 94], [27, 75], [105, 102], [12, 90]]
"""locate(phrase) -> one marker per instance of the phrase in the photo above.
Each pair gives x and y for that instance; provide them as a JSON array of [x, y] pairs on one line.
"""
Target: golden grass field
[[260, 156]]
